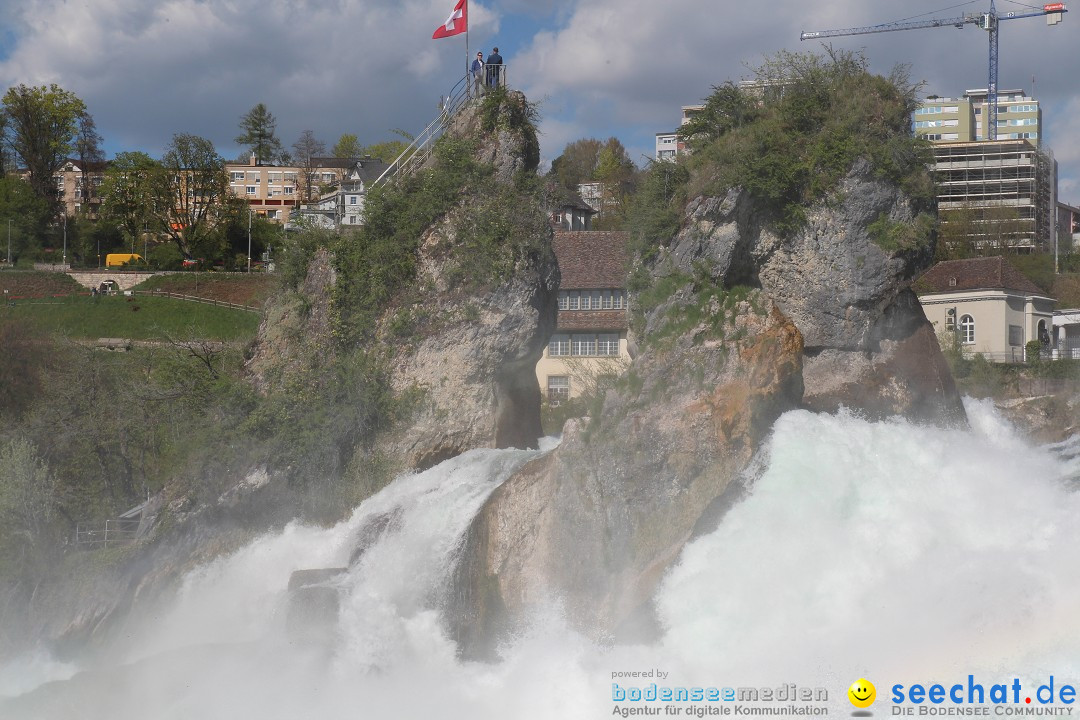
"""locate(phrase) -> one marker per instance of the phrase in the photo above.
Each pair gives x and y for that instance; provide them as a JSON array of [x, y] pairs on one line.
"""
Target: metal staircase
[[420, 149]]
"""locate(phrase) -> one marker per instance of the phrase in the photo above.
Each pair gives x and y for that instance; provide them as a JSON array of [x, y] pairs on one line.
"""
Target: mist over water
[[887, 550]]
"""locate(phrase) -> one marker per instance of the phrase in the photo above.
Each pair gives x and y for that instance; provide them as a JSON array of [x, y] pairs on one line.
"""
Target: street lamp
[[249, 240], [9, 241], [63, 261]]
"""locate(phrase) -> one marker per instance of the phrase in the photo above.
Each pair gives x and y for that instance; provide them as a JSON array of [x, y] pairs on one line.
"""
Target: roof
[[986, 273], [592, 320], [592, 259], [559, 197], [368, 168]]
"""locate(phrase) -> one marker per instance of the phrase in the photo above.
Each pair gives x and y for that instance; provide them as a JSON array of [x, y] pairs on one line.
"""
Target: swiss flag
[[457, 23]]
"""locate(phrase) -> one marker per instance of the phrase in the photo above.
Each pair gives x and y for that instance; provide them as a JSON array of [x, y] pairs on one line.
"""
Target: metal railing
[[118, 531], [420, 148]]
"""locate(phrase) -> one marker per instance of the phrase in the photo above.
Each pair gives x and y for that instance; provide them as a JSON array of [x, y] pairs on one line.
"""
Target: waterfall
[[884, 550]]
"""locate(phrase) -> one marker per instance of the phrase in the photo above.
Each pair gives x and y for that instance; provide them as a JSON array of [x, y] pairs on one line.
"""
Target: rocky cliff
[[460, 339], [737, 326]]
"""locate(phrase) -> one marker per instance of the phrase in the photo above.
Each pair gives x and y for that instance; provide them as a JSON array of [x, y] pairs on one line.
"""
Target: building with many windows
[[275, 191], [589, 343], [271, 191], [668, 144], [996, 194], [950, 120], [993, 309], [342, 204]]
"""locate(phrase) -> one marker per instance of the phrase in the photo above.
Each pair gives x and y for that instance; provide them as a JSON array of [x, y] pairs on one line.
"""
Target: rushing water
[[886, 550]]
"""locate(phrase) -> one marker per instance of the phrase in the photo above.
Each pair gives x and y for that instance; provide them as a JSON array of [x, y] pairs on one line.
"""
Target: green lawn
[[134, 318]]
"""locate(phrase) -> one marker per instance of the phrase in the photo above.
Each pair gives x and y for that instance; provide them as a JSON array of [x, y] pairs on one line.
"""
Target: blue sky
[[598, 68]]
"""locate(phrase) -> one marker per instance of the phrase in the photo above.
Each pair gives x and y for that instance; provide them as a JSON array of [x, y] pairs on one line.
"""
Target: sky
[[147, 69]]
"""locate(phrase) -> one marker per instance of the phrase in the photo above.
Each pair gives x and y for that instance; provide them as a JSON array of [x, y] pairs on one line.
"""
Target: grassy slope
[[136, 318], [241, 289], [37, 284]]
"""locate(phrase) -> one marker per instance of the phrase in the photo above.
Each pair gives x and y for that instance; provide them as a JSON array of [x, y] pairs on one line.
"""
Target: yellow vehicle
[[117, 260]]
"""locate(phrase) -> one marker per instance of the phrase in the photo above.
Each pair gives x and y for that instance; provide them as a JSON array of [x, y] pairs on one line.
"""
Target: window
[[352, 199], [271, 214], [607, 344], [583, 345], [236, 177], [558, 388], [559, 345], [591, 299], [288, 190], [290, 177], [275, 177], [250, 189], [1016, 335], [352, 219], [967, 330]]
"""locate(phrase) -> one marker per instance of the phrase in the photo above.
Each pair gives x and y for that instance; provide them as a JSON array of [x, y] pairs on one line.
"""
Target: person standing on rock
[[477, 71], [494, 68]]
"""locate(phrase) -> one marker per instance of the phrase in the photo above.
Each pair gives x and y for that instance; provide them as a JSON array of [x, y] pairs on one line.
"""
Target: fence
[[115, 532], [192, 298]]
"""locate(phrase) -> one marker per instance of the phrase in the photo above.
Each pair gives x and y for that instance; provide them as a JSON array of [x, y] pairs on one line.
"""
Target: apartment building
[[275, 191], [78, 187], [947, 119], [996, 194], [668, 144], [271, 191], [341, 204]]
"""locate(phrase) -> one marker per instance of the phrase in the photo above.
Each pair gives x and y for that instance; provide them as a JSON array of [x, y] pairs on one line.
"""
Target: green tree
[[727, 108], [128, 193], [189, 192], [577, 163], [617, 176], [27, 212], [387, 151], [259, 126], [44, 122], [28, 504], [348, 146], [5, 145]]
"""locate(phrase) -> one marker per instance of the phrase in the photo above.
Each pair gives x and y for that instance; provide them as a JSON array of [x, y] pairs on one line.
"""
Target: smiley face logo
[[862, 693]]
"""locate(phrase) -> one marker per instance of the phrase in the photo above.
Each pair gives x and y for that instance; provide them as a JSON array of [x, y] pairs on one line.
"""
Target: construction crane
[[987, 21]]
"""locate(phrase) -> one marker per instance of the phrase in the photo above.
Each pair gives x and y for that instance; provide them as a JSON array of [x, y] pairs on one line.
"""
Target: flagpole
[[468, 57]]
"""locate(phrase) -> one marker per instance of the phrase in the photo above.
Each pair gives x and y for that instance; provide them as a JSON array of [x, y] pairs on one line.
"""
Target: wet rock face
[[598, 521], [830, 322]]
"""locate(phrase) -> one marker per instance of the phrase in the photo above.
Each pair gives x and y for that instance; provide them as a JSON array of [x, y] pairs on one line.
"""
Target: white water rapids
[[886, 550]]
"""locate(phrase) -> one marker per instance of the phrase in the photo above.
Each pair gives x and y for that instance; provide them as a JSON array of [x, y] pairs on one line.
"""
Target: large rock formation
[[756, 325], [460, 354]]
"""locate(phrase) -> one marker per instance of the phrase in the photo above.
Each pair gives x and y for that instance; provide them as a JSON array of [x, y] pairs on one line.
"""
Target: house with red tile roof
[[993, 308], [590, 336]]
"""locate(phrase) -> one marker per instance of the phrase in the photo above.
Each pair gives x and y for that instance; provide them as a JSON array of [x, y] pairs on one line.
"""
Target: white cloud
[[150, 68], [628, 65]]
